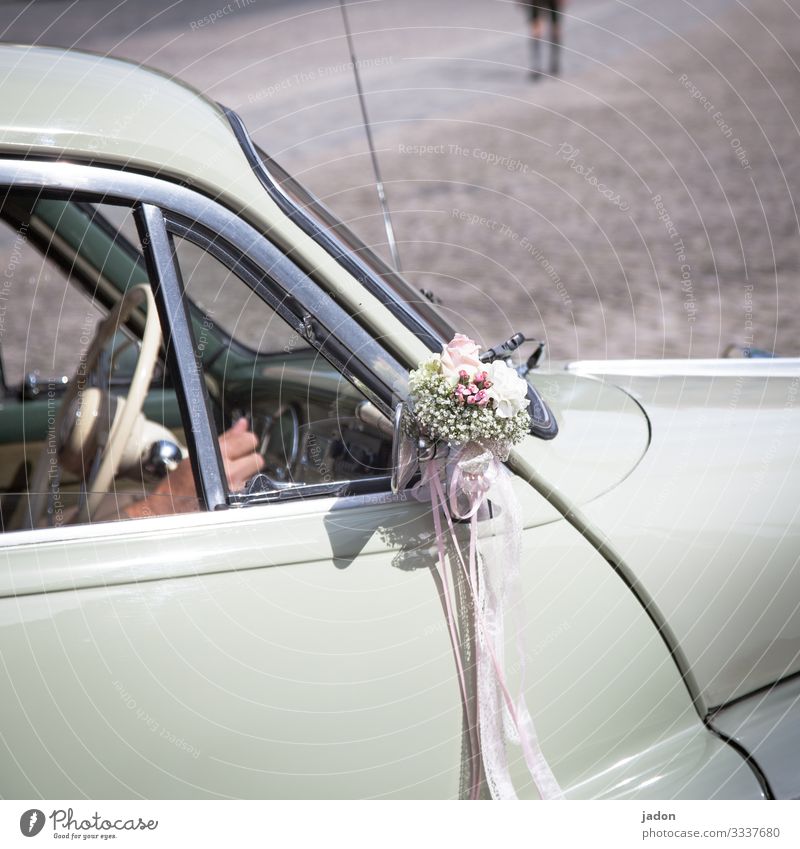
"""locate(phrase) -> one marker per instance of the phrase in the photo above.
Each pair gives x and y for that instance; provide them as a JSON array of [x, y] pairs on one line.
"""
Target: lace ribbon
[[476, 477]]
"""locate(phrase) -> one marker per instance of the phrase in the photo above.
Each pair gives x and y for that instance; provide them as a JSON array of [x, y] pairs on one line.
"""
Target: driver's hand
[[172, 495], [239, 456]]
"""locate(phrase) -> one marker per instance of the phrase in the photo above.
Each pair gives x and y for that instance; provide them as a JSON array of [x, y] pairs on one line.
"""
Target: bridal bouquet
[[458, 399], [478, 411]]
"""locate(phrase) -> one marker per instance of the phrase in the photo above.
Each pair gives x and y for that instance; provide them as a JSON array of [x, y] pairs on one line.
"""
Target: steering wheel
[[280, 445], [75, 427]]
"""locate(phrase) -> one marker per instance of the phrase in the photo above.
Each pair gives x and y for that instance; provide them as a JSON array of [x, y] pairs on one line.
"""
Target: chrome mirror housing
[[405, 450]]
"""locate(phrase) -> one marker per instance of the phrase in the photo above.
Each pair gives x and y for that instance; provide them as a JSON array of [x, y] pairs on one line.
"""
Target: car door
[[273, 645], [272, 651]]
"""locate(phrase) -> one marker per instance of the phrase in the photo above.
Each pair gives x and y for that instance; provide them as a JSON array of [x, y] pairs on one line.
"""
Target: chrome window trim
[[349, 260], [173, 312], [56, 177], [338, 346], [324, 341]]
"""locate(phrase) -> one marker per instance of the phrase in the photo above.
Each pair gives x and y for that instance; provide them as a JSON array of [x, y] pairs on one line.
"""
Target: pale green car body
[[290, 650]]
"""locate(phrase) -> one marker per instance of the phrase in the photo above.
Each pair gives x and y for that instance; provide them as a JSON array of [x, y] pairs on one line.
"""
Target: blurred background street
[[641, 204]]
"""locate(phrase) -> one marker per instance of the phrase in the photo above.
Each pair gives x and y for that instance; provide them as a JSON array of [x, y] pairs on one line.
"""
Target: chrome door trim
[[177, 521], [164, 538]]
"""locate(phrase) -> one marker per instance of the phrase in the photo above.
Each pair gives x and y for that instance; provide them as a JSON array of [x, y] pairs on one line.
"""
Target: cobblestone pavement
[[643, 204]]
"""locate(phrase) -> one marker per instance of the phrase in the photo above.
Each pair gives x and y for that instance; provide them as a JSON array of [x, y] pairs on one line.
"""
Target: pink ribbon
[[478, 476]]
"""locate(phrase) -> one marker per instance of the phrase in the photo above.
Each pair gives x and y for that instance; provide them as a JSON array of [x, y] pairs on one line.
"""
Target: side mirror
[[405, 452]]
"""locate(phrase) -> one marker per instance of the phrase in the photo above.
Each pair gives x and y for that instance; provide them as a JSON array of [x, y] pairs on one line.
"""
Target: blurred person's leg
[[537, 31], [555, 37]]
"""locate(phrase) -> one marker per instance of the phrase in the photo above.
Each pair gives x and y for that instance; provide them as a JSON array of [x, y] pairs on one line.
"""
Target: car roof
[[77, 106], [69, 104]]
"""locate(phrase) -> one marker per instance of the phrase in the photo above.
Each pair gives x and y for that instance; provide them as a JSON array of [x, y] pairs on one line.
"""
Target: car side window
[[90, 427], [235, 311], [40, 333], [313, 427]]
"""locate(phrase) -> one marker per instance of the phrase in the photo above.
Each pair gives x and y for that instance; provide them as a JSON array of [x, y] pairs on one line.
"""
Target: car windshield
[[320, 223]]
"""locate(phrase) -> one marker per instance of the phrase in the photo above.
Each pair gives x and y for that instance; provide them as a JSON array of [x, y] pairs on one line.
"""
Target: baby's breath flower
[[445, 413]]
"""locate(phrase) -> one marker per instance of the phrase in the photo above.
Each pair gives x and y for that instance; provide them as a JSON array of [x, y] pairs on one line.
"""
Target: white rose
[[508, 390]]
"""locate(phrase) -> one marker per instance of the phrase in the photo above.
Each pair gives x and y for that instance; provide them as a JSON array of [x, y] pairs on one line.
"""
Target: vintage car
[[163, 279]]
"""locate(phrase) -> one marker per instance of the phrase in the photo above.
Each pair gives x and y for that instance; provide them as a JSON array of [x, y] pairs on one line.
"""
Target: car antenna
[[387, 218]]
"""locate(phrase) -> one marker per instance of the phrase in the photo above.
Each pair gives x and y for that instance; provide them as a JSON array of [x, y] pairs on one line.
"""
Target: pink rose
[[461, 355]]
